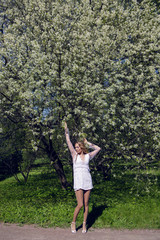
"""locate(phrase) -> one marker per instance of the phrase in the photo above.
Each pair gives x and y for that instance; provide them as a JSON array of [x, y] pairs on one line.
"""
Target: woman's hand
[[65, 126], [85, 141]]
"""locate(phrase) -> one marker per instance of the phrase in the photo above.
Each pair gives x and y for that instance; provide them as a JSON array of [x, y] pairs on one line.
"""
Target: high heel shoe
[[84, 230], [73, 227]]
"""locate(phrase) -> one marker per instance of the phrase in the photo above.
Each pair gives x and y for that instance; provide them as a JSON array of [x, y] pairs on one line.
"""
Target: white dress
[[82, 176]]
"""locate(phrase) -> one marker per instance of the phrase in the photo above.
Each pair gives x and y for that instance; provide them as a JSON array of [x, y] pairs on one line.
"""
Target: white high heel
[[73, 230], [84, 230]]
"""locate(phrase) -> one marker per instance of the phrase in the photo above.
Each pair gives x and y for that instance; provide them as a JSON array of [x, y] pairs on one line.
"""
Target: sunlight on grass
[[115, 203]]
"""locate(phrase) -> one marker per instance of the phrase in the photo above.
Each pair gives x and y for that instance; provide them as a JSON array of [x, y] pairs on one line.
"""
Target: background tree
[[16, 152], [94, 64]]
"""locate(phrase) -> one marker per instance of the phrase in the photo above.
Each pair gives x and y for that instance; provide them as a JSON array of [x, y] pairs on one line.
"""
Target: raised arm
[[70, 146], [93, 146]]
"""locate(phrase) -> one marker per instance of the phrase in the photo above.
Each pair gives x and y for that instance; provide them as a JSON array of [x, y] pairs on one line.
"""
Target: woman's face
[[77, 148]]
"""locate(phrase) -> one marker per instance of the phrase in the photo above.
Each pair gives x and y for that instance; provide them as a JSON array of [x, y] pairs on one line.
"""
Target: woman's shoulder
[[74, 157], [87, 155]]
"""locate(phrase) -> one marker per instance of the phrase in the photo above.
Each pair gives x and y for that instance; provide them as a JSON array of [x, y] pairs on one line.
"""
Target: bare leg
[[79, 196], [86, 207]]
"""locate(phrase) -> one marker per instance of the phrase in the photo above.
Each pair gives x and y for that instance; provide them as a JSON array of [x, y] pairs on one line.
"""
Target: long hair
[[82, 146]]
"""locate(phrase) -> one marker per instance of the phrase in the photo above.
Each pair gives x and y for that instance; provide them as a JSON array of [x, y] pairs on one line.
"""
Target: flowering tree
[[94, 64]]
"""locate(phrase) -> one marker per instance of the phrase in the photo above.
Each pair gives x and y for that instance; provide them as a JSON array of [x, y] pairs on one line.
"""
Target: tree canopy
[[94, 64]]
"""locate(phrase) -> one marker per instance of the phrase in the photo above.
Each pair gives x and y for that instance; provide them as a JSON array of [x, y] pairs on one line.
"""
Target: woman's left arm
[[93, 146]]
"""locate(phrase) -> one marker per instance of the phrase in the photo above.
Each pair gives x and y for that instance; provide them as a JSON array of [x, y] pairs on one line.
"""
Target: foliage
[[92, 63], [16, 153], [122, 202]]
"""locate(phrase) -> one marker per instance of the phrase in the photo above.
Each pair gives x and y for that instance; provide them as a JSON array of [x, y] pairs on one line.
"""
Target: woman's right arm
[[70, 146], [94, 147]]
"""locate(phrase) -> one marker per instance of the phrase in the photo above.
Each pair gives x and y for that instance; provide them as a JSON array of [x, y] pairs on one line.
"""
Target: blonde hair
[[82, 146]]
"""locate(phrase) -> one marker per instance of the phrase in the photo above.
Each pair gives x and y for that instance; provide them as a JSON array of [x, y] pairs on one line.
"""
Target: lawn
[[123, 202]]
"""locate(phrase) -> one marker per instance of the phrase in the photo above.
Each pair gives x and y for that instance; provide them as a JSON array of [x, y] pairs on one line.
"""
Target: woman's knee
[[80, 205], [86, 205]]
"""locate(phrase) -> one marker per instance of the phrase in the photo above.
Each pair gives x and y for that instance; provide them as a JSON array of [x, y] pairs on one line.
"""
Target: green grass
[[122, 202]]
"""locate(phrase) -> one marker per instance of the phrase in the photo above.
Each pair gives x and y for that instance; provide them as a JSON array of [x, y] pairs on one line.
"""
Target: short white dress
[[82, 176]]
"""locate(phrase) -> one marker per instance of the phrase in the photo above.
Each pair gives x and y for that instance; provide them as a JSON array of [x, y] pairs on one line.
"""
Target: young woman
[[82, 176]]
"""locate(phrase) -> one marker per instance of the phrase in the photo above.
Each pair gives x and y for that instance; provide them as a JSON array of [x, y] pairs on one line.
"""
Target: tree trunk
[[60, 172], [56, 162]]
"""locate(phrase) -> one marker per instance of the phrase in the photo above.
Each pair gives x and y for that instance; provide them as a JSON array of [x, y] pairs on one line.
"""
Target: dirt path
[[29, 232]]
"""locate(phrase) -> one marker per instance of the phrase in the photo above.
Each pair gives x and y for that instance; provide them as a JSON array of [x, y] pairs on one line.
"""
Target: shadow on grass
[[94, 215], [4, 176]]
